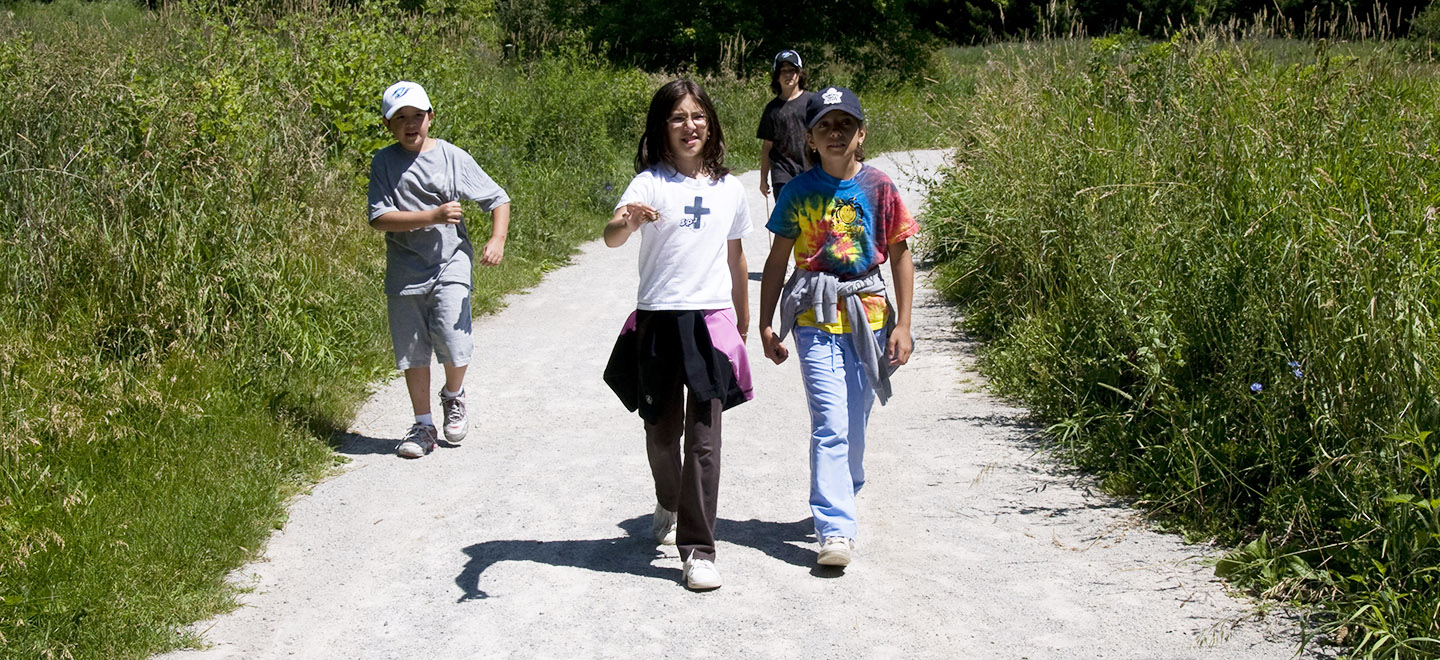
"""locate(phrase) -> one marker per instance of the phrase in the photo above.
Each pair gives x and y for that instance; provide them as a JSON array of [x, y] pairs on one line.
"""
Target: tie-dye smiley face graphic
[[845, 215], [844, 233]]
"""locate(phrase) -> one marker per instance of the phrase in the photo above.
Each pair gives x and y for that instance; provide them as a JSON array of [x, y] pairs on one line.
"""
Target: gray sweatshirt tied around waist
[[824, 292]]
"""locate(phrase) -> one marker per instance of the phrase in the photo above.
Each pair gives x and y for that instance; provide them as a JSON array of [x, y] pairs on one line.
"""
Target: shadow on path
[[793, 543], [355, 444], [634, 553], [775, 539]]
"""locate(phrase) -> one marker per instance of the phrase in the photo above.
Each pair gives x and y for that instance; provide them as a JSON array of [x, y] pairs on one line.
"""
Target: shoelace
[[454, 411], [417, 434]]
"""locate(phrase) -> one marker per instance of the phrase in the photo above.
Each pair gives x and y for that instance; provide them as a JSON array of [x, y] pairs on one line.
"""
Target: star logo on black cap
[[831, 96]]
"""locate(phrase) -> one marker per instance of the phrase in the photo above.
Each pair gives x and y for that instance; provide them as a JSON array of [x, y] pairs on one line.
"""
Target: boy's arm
[[765, 146], [740, 287], [500, 228], [902, 271], [626, 221], [770, 287], [448, 213]]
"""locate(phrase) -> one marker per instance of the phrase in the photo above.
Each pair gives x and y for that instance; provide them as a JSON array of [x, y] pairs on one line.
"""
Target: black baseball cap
[[787, 56], [832, 98]]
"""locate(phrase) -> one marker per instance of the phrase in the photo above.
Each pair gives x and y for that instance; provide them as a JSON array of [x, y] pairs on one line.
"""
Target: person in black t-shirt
[[782, 124]]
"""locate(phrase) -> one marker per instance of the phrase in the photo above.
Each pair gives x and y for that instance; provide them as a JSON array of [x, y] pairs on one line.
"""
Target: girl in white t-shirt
[[680, 359]]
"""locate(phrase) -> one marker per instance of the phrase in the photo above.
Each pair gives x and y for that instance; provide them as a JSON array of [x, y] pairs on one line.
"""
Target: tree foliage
[[710, 36], [883, 41]]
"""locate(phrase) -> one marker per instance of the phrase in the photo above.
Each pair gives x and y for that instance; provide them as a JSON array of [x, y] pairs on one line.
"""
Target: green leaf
[[1115, 390]]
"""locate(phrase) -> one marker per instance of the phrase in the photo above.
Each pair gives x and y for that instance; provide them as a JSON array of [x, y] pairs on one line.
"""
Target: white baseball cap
[[401, 94]]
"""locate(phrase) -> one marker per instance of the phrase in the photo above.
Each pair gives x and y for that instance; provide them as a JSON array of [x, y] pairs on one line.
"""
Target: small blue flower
[[1256, 387], [1295, 369]]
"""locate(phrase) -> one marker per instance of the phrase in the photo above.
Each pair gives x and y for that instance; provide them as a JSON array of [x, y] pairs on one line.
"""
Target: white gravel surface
[[532, 539]]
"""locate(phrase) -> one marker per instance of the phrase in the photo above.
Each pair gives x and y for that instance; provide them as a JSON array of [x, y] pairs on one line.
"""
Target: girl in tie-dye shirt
[[840, 221], [844, 227]]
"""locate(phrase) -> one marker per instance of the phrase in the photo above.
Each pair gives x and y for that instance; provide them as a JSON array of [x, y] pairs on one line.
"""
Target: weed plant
[[1211, 266], [198, 307]]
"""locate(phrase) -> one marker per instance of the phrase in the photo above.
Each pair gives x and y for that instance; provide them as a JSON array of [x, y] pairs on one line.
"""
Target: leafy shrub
[[1426, 24]]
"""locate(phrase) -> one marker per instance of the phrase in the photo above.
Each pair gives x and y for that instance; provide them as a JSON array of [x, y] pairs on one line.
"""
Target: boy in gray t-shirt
[[415, 188]]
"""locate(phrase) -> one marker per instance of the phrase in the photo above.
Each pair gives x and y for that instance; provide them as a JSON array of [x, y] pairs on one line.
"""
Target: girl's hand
[[900, 345], [637, 214], [774, 349], [627, 220], [764, 188]]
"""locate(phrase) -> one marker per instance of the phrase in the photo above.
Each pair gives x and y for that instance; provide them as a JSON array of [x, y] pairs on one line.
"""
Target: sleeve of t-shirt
[[899, 224], [382, 190], [783, 221], [741, 226], [639, 190], [472, 183]]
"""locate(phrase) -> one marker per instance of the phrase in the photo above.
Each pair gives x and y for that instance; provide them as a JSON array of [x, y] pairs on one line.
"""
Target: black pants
[[687, 475]]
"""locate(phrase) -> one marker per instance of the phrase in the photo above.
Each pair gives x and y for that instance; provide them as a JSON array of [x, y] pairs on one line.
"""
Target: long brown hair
[[654, 145]]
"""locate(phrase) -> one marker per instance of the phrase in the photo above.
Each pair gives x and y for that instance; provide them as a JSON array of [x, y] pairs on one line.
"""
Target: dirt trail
[[531, 539]]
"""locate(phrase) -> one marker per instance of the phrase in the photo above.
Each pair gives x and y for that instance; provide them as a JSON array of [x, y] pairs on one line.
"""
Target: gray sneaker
[[835, 551], [662, 525], [419, 441], [457, 424]]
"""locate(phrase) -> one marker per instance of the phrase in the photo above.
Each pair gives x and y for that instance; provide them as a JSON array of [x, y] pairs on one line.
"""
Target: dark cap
[[832, 98], [787, 56]]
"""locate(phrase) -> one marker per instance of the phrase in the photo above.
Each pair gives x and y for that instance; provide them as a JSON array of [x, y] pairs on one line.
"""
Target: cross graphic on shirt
[[696, 212]]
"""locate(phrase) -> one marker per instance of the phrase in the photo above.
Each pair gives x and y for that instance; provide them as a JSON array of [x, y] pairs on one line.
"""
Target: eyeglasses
[[679, 120]]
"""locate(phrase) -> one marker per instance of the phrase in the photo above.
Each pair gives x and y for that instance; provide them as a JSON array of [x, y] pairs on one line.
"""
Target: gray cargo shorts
[[436, 323]]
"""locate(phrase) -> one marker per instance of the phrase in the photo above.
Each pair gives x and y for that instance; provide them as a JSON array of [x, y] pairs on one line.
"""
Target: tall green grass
[[1211, 266], [182, 223]]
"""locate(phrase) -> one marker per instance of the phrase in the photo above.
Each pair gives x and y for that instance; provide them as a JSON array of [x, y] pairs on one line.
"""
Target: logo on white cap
[[413, 94], [831, 96]]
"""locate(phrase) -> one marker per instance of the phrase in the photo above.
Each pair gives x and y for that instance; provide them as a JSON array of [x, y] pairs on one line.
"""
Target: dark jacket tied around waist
[[653, 342]]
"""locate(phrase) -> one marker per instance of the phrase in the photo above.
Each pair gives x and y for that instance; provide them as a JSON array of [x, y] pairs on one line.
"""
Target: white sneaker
[[457, 424], [700, 574], [835, 551], [663, 526]]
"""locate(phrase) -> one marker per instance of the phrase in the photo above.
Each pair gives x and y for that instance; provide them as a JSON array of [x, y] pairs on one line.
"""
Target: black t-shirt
[[783, 124]]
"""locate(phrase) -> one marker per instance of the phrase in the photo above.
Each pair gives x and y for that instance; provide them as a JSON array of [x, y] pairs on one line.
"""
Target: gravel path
[[531, 539]]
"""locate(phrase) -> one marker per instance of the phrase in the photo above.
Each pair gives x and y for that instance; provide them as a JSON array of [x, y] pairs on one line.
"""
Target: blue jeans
[[840, 398]]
